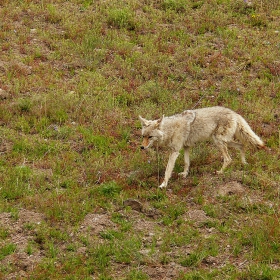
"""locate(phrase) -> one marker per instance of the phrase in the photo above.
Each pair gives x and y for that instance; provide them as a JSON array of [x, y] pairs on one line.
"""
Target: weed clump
[[109, 190], [121, 18], [177, 6]]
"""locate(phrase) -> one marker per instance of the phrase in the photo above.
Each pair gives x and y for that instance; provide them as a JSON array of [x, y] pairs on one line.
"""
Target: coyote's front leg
[[169, 169]]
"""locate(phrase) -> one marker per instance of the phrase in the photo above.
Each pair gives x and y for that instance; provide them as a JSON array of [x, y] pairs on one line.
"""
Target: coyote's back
[[222, 124]]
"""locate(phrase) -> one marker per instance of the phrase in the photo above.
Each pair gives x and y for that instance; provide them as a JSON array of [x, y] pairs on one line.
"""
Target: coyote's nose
[[142, 147]]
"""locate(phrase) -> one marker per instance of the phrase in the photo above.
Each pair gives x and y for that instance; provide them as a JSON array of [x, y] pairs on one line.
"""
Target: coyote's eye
[[150, 137]]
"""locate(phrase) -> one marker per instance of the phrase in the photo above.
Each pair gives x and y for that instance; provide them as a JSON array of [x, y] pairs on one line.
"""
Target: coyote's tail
[[247, 135]]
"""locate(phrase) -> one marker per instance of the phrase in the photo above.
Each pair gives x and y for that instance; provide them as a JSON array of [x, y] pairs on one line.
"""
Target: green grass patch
[[6, 250], [121, 18]]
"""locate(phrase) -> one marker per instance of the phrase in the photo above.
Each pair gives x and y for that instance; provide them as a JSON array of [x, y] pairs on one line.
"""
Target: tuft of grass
[[109, 190], [4, 232], [121, 18], [7, 250], [263, 240], [205, 248], [136, 274], [177, 6], [261, 272]]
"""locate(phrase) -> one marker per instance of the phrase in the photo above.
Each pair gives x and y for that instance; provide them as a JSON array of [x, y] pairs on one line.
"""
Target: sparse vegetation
[[74, 76]]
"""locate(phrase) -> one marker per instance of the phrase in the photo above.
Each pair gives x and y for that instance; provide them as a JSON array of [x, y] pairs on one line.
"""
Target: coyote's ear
[[144, 122], [160, 120]]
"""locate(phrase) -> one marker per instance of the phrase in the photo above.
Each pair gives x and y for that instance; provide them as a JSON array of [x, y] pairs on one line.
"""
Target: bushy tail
[[246, 135]]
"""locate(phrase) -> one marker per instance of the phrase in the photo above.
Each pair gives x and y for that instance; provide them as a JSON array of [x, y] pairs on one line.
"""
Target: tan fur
[[224, 126]]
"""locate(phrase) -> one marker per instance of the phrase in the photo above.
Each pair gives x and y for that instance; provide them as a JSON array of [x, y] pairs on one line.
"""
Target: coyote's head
[[150, 132]]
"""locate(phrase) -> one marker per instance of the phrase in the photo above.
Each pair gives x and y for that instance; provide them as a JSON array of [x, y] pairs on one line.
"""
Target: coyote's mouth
[[147, 142]]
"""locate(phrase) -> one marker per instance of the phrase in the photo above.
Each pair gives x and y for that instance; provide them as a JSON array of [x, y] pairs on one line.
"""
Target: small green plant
[[127, 251], [24, 104], [122, 221], [137, 274], [173, 213], [261, 272], [53, 15], [207, 247], [191, 260], [100, 143], [71, 248], [174, 239], [197, 4], [111, 235], [257, 20], [17, 184], [178, 6], [121, 18], [52, 250], [29, 248], [4, 232], [7, 250], [109, 189], [210, 210], [100, 256], [29, 226]]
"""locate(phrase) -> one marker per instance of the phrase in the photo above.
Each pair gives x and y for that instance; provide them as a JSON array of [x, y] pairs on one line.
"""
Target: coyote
[[224, 126]]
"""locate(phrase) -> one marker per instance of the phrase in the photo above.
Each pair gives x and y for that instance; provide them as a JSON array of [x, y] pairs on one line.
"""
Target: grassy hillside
[[78, 198]]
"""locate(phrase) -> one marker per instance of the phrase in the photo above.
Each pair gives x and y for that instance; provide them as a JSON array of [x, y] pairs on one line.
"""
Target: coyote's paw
[[183, 174], [163, 185], [219, 172]]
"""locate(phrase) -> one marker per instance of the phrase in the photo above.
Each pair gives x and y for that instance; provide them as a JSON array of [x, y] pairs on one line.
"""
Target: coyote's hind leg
[[187, 162], [222, 146], [241, 148]]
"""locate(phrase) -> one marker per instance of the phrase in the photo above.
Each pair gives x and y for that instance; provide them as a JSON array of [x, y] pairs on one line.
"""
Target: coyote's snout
[[225, 127], [145, 143]]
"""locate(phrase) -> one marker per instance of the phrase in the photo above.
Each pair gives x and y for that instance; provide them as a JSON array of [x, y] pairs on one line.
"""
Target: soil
[[20, 233]]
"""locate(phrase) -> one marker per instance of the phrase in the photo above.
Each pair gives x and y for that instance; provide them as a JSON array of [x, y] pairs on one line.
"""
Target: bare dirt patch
[[198, 216], [94, 224], [231, 188], [166, 272], [20, 232]]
